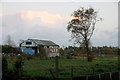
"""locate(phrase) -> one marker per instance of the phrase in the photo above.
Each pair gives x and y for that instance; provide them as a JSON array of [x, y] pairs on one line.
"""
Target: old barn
[[35, 46]]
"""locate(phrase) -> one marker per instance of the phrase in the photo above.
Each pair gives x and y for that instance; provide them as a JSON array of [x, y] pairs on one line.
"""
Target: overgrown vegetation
[[4, 66], [18, 66], [40, 68], [104, 51], [12, 71], [71, 59], [9, 49]]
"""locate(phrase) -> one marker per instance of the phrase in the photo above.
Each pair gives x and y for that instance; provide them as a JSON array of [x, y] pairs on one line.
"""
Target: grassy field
[[40, 68]]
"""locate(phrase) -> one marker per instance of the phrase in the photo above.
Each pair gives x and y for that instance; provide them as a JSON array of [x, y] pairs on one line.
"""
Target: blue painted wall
[[28, 51]]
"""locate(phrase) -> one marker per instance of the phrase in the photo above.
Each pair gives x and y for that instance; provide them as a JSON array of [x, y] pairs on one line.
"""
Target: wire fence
[[69, 69]]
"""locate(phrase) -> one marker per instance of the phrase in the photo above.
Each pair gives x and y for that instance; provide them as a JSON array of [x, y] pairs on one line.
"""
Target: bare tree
[[82, 27], [9, 41]]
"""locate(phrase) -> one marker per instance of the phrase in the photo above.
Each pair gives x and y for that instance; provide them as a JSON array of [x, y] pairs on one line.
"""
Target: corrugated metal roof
[[43, 42]]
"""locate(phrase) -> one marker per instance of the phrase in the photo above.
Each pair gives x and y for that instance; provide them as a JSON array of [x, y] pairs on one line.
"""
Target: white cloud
[[19, 27], [48, 19], [23, 25], [105, 37], [101, 35]]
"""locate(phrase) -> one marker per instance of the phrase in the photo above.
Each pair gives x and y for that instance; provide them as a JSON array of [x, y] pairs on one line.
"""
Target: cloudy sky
[[48, 21]]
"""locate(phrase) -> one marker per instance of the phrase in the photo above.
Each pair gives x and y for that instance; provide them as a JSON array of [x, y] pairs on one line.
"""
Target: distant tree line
[[7, 49], [97, 51], [70, 50]]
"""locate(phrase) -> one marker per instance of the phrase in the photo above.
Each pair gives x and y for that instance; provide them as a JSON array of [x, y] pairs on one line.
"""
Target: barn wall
[[52, 51]]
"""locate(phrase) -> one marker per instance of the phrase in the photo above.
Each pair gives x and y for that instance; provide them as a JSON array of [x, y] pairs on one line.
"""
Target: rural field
[[35, 68], [49, 40]]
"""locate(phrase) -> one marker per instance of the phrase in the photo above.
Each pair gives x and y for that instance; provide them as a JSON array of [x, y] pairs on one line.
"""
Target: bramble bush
[[4, 66], [18, 67]]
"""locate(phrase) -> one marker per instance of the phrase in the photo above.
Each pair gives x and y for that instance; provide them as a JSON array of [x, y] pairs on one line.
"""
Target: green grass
[[40, 68]]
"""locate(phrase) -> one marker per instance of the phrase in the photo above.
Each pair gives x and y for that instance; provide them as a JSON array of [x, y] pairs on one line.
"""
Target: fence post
[[56, 67], [93, 69], [99, 77], [86, 77], [71, 72], [119, 74], [110, 76]]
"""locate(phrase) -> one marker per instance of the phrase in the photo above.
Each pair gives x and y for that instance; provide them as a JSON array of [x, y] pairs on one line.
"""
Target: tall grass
[[40, 68]]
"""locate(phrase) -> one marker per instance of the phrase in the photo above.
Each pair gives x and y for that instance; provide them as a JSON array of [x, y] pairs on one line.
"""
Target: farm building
[[35, 46]]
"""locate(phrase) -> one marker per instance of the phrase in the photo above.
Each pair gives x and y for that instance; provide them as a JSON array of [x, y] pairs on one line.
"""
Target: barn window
[[28, 43]]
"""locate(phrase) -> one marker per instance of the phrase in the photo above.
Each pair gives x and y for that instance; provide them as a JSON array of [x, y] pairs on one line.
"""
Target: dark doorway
[[35, 48]]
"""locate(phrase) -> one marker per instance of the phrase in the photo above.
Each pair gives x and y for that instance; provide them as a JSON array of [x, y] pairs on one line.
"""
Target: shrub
[[100, 70], [4, 66], [68, 57], [18, 66]]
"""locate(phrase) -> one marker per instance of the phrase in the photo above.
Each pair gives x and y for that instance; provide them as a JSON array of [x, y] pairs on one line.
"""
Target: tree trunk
[[89, 56]]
